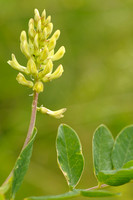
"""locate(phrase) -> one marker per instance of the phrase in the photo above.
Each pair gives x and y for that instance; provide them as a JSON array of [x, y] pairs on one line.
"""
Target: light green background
[[96, 87]]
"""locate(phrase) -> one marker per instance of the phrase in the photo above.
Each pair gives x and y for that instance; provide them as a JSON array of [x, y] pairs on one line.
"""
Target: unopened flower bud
[[39, 24], [59, 54], [38, 87], [25, 49], [51, 53], [56, 114], [22, 80], [23, 36], [48, 69], [24, 44], [44, 13], [36, 45], [14, 64], [43, 16], [31, 66], [56, 35], [31, 31], [57, 74], [37, 15], [47, 21], [52, 44], [49, 29]]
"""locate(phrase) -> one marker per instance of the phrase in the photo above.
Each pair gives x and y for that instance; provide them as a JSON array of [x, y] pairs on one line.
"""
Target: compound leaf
[[22, 165], [69, 154], [102, 147], [123, 148]]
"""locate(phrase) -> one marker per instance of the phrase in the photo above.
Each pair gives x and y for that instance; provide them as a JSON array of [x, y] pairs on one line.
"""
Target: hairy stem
[[31, 127]]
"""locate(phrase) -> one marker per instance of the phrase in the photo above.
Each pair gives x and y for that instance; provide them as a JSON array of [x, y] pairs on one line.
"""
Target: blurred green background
[[97, 86]]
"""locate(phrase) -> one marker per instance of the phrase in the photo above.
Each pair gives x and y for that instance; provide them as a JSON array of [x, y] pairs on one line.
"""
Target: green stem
[[97, 187], [30, 130]]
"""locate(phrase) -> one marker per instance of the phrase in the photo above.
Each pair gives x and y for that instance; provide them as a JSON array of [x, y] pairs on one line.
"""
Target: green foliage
[[123, 148], [120, 154], [67, 195], [75, 193], [97, 193], [116, 177], [69, 154], [102, 147], [22, 165]]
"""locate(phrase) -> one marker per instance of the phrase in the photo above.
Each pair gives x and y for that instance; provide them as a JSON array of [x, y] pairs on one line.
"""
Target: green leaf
[[116, 177], [22, 165], [128, 164], [69, 154], [67, 195], [97, 193], [102, 147], [123, 148]]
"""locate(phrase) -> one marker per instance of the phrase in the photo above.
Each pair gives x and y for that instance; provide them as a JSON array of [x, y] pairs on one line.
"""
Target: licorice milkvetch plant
[[113, 159]]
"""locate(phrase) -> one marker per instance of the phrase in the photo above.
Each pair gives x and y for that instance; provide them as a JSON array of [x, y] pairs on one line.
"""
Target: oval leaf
[[102, 147], [22, 165], [97, 193], [69, 154], [123, 148], [116, 177], [67, 195]]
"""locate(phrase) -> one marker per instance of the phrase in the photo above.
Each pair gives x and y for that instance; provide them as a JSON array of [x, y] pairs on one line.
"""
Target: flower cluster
[[38, 48]]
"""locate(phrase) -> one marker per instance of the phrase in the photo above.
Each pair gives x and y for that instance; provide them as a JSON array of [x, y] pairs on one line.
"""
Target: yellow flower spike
[[59, 54], [48, 69], [31, 67], [31, 31], [22, 80], [15, 65], [38, 87], [39, 51], [56, 114]]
